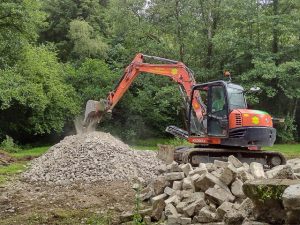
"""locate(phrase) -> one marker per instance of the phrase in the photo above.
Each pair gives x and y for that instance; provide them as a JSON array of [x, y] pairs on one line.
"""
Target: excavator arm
[[175, 70]]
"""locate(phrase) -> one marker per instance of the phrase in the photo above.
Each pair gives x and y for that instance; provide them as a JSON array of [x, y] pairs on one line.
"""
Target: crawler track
[[209, 154]]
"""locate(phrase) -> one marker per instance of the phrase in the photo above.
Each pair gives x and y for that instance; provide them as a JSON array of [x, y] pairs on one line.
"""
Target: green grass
[[6, 172], [32, 152], [151, 144], [289, 150]]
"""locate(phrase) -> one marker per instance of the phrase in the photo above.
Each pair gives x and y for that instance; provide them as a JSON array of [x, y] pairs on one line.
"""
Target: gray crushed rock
[[92, 157]]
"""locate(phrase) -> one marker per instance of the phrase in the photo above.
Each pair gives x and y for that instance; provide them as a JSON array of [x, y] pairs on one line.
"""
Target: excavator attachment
[[94, 111]]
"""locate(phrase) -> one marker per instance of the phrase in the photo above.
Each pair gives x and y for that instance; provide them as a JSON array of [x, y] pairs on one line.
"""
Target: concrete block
[[206, 216], [234, 161], [221, 164], [173, 167], [158, 185], [257, 170], [158, 207], [174, 200], [198, 170], [228, 175], [237, 189], [177, 185], [218, 196], [174, 176], [186, 168], [281, 172], [169, 191], [180, 206], [223, 209], [170, 210], [188, 184], [207, 181]]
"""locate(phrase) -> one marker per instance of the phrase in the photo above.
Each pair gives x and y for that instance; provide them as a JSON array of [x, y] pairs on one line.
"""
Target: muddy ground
[[98, 203]]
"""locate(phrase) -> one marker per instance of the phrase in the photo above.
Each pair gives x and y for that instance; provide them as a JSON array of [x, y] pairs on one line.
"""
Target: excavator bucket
[[94, 110]]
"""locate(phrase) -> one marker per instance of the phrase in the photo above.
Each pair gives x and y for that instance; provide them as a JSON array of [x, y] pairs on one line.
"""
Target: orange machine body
[[249, 118]]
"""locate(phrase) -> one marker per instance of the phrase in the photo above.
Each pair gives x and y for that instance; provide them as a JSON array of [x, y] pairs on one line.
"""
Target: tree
[[85, 14], [33, 95], [86, 42], [19, 24]]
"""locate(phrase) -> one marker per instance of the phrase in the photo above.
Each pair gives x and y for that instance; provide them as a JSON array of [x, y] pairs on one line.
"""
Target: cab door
[[217, 111]]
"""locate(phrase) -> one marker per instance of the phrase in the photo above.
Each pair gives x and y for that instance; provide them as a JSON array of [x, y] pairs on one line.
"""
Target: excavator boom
[[175, 70]]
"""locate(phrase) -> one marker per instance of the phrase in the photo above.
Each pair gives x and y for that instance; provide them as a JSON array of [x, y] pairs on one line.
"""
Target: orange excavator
[[219, 123]]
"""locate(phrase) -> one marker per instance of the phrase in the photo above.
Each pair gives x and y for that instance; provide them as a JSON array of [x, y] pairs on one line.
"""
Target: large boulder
[[291, 202], [291, 197], [266, 195]]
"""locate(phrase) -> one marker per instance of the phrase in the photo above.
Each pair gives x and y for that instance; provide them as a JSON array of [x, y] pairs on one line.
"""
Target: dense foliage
[[56, 54]]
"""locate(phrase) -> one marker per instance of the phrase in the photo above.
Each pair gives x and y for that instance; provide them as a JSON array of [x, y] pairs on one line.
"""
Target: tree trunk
[[179, 31], [275, 29], [295, 109]]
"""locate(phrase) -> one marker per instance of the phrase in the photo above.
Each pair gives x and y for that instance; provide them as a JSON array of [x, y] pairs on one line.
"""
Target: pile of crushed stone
[[92, 157]]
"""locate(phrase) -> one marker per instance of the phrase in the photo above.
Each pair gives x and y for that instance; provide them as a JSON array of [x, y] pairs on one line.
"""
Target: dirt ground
[[99, 203], [5, 159]]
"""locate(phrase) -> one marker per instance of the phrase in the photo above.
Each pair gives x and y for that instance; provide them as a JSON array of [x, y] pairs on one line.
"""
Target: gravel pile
[[92, 157]]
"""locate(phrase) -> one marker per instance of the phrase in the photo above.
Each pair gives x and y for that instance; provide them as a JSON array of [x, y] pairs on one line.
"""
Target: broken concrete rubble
[[159, 184], [207, 181], [177, 185], [170, 210], [186, 168], [281, 172], [221, 164], [235, 162], [237, 188], [228, 174], [217, 193], [223, 209], [291, 202], [257, 170], [206, 216], [174, 176], [188, 184], [267, 194], [169, 191]]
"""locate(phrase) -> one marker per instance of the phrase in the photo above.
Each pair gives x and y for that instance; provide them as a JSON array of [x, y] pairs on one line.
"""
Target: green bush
[[9, 145], [286, 132]]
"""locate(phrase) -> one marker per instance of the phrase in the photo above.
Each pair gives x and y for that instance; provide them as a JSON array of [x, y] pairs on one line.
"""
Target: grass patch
[[32, 152], [289, 150], [6, 172]]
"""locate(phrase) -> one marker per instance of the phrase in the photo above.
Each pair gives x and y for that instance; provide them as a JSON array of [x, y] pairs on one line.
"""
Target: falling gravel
[[92, 157]]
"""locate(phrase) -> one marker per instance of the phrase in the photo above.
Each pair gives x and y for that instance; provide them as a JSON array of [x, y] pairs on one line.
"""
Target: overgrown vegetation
[[137, 217], [9, 145], [54, 55]]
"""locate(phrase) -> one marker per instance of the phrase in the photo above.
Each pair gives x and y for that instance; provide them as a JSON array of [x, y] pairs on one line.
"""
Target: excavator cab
[[215, 122], [227, 120]]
